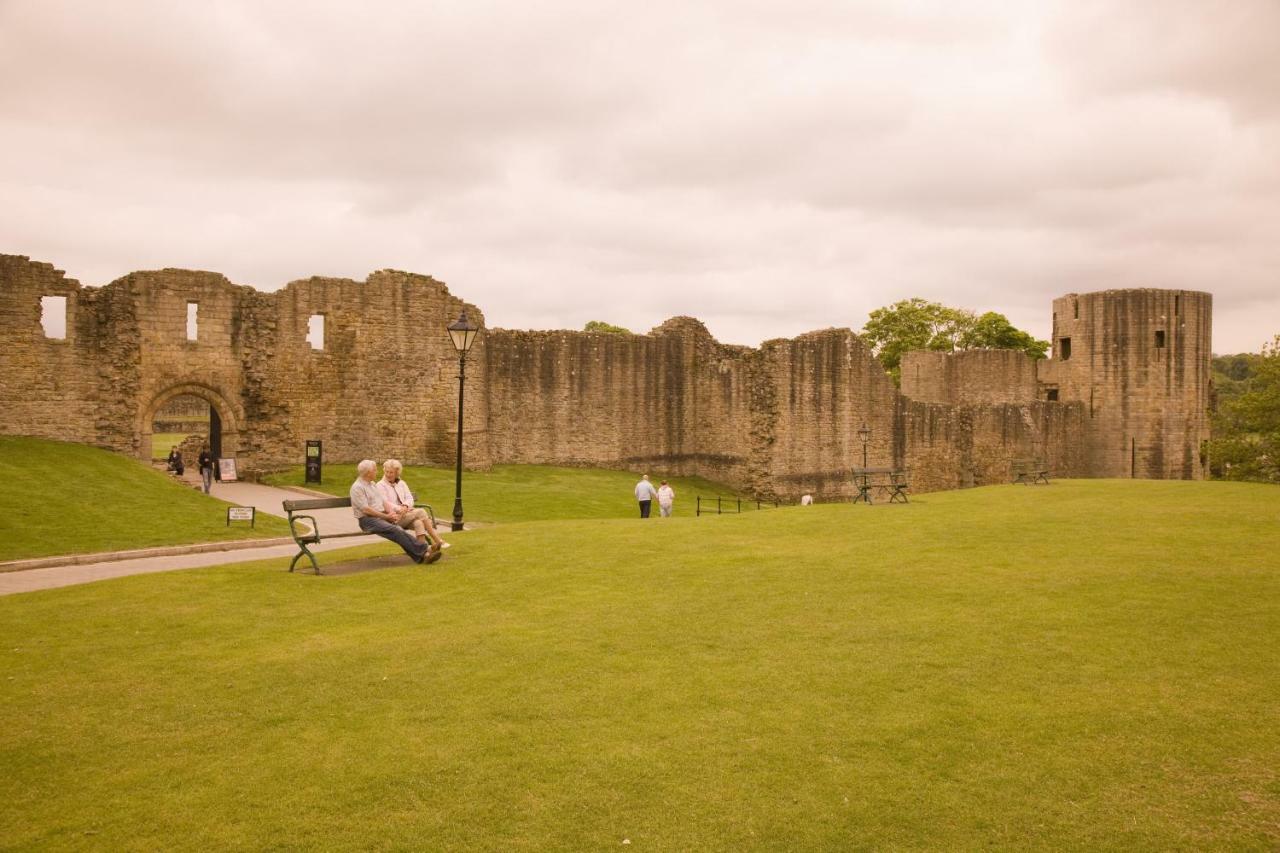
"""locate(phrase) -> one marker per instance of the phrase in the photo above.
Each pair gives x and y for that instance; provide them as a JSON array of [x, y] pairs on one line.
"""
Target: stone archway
[[230, 416]]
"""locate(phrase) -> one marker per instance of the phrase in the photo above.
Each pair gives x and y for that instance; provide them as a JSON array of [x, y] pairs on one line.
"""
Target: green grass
[[526, 492], [71, 499], [1089, 665], [163, 442]]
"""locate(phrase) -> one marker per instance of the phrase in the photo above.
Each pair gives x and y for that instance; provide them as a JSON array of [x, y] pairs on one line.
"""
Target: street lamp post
[[463, 333], [865, 434]]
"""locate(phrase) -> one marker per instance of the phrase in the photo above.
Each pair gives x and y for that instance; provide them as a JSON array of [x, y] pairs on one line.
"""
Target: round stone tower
[[1140, 360]]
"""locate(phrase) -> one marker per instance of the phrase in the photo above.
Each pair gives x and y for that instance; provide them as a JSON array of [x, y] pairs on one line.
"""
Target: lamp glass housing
[[463, 333]]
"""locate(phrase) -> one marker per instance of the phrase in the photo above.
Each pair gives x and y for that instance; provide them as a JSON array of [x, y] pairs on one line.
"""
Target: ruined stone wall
[[780, 420], [48, 387], [1140, 361], [384, 383], [951, 447], [969, 377]]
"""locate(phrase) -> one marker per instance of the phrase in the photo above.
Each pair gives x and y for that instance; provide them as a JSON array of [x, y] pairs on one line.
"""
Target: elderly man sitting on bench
[[368, 506]]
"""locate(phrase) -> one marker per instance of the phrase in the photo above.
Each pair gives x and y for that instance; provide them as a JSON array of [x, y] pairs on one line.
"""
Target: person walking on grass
[[645, 493], [367, 506], [398, 501], [666, 499], [205, 461]]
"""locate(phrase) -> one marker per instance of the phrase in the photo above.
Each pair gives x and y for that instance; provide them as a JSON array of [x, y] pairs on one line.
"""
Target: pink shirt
[[395, 496]]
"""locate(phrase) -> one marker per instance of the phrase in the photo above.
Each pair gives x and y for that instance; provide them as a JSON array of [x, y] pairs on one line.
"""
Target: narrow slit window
[[1160, 339], [1076, 307], [315, 331], [193, 311], [1177, 305], [1064, 348], [53, 317]]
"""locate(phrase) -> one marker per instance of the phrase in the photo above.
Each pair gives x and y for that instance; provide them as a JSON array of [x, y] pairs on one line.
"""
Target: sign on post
[[242, 513], [313, 461], [227, 470]]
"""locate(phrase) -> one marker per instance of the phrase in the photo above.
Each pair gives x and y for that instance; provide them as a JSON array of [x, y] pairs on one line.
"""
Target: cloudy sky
[[768, 167]]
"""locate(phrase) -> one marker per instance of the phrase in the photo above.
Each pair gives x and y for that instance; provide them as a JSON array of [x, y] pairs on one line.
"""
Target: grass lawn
[[71, 499], [526, 492], [1089, 665], [163, 442]]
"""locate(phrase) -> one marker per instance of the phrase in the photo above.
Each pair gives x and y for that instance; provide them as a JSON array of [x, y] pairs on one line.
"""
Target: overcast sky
[[768, 167]]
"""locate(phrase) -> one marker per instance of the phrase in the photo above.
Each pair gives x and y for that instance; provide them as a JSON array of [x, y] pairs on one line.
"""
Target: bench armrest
[[431, 513], [315, 528]]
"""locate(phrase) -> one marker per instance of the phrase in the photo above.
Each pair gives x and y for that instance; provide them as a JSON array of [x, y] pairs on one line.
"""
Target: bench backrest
[[315, 503]]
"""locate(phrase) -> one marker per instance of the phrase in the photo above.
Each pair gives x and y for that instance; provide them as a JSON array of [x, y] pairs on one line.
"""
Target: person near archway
[[205, 462], [175, 461]]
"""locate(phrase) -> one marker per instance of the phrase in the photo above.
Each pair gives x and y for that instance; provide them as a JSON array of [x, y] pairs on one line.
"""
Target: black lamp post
[[463, 333], [865, 434]]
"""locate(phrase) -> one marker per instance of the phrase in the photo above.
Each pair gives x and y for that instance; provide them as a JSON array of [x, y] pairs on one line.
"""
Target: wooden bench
[[294, 512], [1028, 472], [886, 481]]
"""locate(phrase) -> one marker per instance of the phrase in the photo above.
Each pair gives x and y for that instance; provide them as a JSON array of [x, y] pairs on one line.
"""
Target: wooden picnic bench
[[1028, 472], [887, 481], [294, 512]]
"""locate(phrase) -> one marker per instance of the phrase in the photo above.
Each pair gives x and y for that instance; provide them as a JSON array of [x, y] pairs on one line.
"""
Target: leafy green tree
[[1246, 443], [994, 331], [920, 324], [601, 326]]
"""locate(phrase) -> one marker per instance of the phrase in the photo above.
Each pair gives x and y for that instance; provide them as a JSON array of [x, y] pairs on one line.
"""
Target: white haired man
[[368, 506], [398, 500]]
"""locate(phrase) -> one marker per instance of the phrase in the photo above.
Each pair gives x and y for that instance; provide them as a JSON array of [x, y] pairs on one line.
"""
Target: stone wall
[[974, 377], [778, 420]]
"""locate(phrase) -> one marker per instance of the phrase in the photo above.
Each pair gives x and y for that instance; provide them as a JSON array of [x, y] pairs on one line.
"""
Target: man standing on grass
[[645, 493], [367, 505]]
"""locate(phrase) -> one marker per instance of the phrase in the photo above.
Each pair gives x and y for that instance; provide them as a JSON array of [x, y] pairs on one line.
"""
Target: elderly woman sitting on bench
[[398, 501], [369, 508]]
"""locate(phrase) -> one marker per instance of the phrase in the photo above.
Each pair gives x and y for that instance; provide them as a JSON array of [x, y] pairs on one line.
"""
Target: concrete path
[[267, 499]]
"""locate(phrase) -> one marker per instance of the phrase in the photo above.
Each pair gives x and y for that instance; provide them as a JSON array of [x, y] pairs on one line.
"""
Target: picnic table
[[886, 481]]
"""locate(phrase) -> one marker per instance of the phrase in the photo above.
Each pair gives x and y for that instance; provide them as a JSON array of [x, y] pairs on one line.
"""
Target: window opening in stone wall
[[1051, 395], [1177, 305], [315, 331], [193, 311], [53, 316], [1160, 339], [1064, 348], [1076, 307]]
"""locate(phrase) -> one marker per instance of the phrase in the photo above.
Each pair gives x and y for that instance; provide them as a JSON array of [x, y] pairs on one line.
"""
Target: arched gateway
[[225, 418]]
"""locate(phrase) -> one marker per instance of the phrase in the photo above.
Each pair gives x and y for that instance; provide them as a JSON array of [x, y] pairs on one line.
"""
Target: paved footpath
[[267, 499]]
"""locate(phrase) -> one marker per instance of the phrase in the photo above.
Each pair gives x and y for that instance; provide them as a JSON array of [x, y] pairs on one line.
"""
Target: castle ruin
[[1126, 393]]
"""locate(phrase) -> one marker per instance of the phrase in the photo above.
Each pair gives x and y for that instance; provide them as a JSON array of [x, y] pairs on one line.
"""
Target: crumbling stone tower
[[1140, 360]]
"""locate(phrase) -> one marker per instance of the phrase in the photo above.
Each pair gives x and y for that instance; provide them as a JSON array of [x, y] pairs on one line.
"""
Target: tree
[[1246, 427], [994, 331], [601, 326], [920, 324]]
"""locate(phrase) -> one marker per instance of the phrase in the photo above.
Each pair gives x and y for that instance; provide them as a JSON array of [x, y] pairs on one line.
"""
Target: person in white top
[[398, 501], [806, 499], [645, 493], [666, 499]]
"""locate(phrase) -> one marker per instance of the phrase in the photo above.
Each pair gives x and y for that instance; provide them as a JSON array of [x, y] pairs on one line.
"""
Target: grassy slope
[[69, 499], [526, 492], [1091, 664]]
